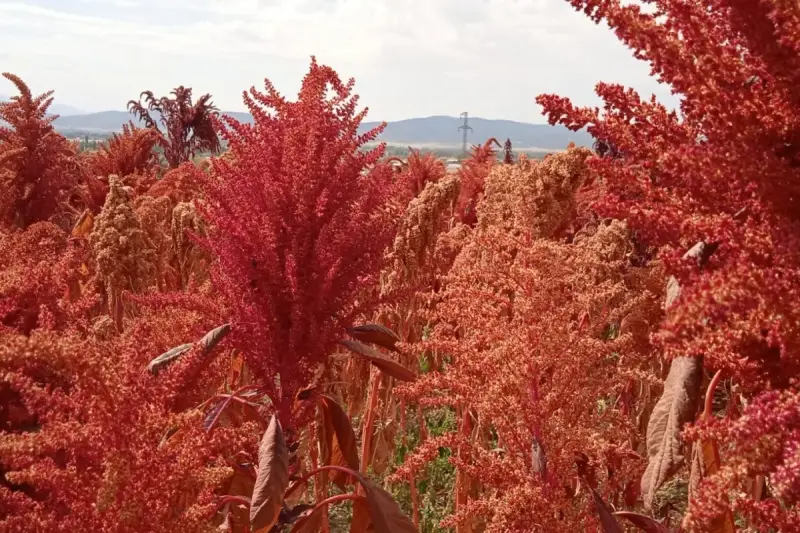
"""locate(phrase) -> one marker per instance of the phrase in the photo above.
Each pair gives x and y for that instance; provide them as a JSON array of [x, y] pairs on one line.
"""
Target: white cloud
[[491, 57]]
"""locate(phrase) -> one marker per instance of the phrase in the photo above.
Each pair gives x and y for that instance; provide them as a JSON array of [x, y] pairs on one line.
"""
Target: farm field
[[310, 332]]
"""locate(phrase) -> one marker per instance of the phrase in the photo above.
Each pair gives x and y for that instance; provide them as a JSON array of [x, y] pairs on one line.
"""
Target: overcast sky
[[410, 58]]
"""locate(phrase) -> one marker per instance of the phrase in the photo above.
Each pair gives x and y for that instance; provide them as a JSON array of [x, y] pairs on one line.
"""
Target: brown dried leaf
[[213, 337], [272, 479], [375, 334], [701, 252], [384, 364], [645, 523], [675, 408], [538, 459], [340, 439], [705, 462], [207, 343], [673, 292], [168, 357], [84, 225], [238, 374]]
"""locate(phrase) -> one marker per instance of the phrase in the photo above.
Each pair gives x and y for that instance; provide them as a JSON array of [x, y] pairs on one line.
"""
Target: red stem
[[316, 471], [338, 498], [709, 404], [230, 499], [366, 436], [227, 401]]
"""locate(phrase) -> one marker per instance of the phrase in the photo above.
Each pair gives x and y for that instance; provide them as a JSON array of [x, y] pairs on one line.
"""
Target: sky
[[410, 58]]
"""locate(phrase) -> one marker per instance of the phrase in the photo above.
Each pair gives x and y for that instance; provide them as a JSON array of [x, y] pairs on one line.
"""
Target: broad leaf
[[675, 408], [375, 334], [386, 515], [607, 520], [645, 523], [384, 364], [168, 357], [341, 439], [309, 522], [272, 479], [361, 521]]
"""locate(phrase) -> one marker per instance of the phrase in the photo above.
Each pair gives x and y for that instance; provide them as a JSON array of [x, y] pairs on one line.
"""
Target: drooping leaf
[[168, 357], [385, 514], [272, 479], [607, 520], [674, 409], [207, 344], [643, 522], [309, 522], [241, 484], [341, 439], [361, 521], [375, 334], [213, 337], [381, 361], [290, 515]]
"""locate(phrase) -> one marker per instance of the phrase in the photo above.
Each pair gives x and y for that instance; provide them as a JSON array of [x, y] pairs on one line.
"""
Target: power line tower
[[467, 128]]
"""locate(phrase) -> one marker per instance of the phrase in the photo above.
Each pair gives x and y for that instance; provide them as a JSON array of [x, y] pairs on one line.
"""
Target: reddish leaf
[[385, 514], [675, 408], [341, 439], [645, 523], [309, 522], [361, 521], [384, 364], [607, 520], [272, 479], [375, 334]]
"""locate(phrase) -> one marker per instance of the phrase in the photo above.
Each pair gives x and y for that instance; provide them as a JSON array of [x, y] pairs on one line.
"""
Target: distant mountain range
[[55, 108], [436, 131]]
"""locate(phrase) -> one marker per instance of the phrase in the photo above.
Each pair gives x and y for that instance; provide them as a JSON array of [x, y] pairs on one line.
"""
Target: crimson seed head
[[297, 225]]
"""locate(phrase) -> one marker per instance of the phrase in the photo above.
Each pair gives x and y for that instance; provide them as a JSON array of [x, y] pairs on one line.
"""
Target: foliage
[[285, 214], [129, 155], [189, 126], [720, 181], [301, 334], [37, 165]]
